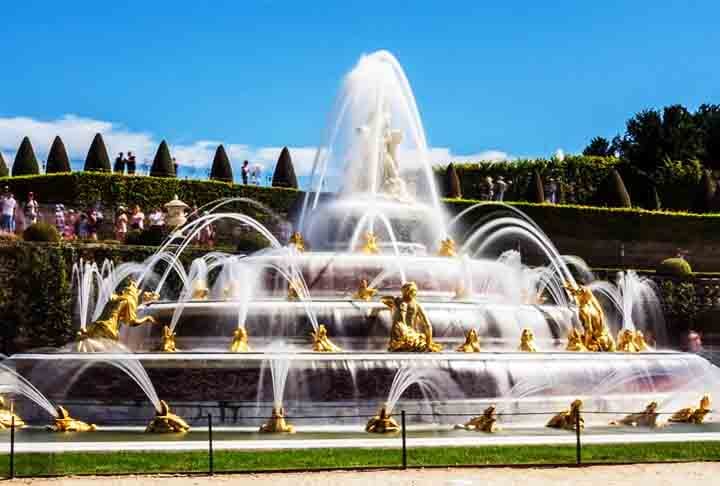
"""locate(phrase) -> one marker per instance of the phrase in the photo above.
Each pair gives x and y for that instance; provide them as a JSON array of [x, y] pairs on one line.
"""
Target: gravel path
[[655, 475]]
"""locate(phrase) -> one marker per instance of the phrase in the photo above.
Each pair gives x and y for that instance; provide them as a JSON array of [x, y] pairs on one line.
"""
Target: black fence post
[[578, 447], [404, 440], [12, 447], [211, 465]]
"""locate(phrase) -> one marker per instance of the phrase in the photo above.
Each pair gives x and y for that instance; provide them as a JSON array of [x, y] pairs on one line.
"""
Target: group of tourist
[[15, 217], [493, 190]]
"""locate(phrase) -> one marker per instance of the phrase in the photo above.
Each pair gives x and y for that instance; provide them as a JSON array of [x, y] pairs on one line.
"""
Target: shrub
[[221, 168], [41, 232], [612, 192], [452, 183], [25, 161], [250, 241], [97, 157], [162, 163], [674, 267], [284, 175], [57, 160], [4, 172], [152, 236], [535, 192]]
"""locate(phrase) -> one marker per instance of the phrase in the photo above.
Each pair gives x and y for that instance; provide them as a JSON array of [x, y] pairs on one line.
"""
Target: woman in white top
[[137, 220]]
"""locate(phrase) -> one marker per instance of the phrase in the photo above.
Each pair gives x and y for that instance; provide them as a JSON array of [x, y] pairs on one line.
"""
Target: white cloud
[[77, 133]]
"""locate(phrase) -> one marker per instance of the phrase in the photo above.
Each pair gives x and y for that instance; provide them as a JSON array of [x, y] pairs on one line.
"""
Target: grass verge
[[73, 463]]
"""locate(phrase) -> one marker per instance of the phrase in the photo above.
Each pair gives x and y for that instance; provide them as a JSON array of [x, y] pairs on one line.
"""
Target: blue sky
[[517, 77]]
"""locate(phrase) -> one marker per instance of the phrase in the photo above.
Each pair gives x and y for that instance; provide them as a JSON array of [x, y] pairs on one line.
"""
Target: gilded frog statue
[[382, 423], [487, 422], [567, 419], [65, 423], [692, 415], [411, 329], [167, 422]]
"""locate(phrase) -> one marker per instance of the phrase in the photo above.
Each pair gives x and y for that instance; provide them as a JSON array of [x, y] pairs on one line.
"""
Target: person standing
[[69, 233], [119, 167], [245, 172], [7, 210], [121, 224], [137, 220], [31, 210], [500, 188], [131, 164], [60, 218]]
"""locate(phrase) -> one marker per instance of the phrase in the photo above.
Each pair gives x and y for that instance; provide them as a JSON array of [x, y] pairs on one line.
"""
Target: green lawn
[[197, 461]]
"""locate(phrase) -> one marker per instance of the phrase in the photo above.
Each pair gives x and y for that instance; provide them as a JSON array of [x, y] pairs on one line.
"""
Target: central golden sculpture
[[471, 344], [364, 291], [296, 240], [411, 329], [595, 332], [568, 418], [646, 418], [239, 342], [447, 248], [166, 422], [575, 341], [120, 309], [382, 423], [640, 343], [370, 246], [691, 415], [487, 422], [277, 423], [168, 341], [527, 341], [321, 342], [65, 423], [7, 415]]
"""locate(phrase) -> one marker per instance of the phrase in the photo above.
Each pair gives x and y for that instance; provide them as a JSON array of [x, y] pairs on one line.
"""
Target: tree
[[57, 160], [284, 175], [162, 164], [705, 194], [221, 168], [4, 172], [681, 137], [643, 140], [25, 161], [612, 192], [535, 192], [599, 147], [452, 182], [97, 157], [708, 123]]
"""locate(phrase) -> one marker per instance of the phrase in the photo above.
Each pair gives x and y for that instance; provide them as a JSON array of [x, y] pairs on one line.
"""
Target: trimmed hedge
[[221, 168], [674, 267], [41, 232], [284, 175], [97, 157], [25, 161], [4, 172], [57, 160], [162, 164]]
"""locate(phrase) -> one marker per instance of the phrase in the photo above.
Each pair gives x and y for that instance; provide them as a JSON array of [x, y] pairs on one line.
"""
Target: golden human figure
[[447, 248], [120, 309], [640, 344], [167, 344], [692, 415], [595, 332], [382, 423], [471, 344], [277, 423], [568, 418], [527, 341], [575, 341], [626, 341], [487, 422], [321, 342], [296, 240], [65, 423], [166, 422], [239, 342], [365, 292], [646, 418], [370, 246], [411, 329]]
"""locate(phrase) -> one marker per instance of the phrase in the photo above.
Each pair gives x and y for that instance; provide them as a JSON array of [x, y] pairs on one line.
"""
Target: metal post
[[211, 469], [404, 440], [578, 447], [12, 447]]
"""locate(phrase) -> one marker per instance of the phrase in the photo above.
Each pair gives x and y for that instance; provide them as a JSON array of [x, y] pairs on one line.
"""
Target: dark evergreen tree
[[452, 183], [705, 194], [612, 192], [284, 175], [221, 169], [599, 147], [708, 121], [25, 161], [97, 157], [58, 160], [535, 192], [162, 164], [4, 172]]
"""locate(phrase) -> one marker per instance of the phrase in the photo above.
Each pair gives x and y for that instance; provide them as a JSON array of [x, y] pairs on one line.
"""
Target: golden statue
[[487, 422], [297, 241], [200, 290], [382, 423], [646, 418], [239, 342], [166, 422], [168, 341], [277, 423], [231, 290], [8, 414], [149, 297], [364, 292], [527, 341], [567, 418], [411, 329], [370, 247], [575, 341], [640, 344], [293, 294], [447, 248], [471, 344], [595, 332], [120, 309], [692, 415], [626, 341], [321, 342], [65, 423]]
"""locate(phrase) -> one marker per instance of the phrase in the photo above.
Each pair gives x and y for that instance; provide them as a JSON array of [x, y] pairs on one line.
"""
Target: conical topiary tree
[[452, 182], [535, 192], [221, 169], [162, 164], [705, 194], [25, 161], [57, 160], [284, 175], [97, 157], [612, 192], [4, 172]]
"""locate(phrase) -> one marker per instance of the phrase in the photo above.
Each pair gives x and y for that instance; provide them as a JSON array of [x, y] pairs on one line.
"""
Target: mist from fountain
[[13, 382]]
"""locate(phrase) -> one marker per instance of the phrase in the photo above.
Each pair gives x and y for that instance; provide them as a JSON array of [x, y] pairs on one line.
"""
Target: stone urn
[[176, 212]]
